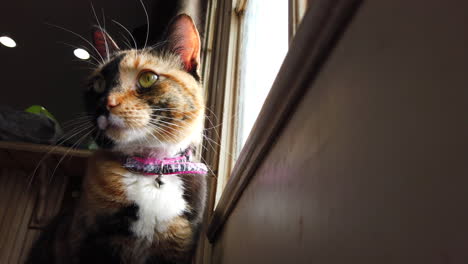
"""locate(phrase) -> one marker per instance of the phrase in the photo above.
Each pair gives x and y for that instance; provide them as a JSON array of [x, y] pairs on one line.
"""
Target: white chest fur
[[157, 206]]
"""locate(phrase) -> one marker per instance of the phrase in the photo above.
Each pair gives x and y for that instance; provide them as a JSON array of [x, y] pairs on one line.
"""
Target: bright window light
[[264, 46], [81, 54], [7, 42]]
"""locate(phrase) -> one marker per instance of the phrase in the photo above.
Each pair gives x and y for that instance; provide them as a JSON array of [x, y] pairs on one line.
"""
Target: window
[[244, 47], [263, 45]]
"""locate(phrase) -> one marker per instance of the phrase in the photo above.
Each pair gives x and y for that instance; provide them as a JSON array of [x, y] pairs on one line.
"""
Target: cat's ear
[[104, 44], [184, 40]]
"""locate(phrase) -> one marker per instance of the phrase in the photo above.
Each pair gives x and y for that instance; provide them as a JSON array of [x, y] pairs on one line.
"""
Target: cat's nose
[[112, 102]]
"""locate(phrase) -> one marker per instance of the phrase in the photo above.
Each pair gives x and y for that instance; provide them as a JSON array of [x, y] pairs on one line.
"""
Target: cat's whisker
[[168, 125], [166, 136], [161, 126], [147, 140], [135, 131], [165, 131], [211, 141], [77, 125], [158, 131], [78, 35], [175, 110], [178, 111], [157, 45], [208, 140], [104, 24], [172, 136], [126, 30], [102, 29], [153, 116], [178, 120], [147, 23], [208, 167], [213, 127], [193, 115], [164, 127], [149, 131], [68, 151], [139, 112], [90, 62], [77, 122], [209, 144], [82, 47], [74, 132], [79, 117], [126, 40], [158, 120], [46, 155]]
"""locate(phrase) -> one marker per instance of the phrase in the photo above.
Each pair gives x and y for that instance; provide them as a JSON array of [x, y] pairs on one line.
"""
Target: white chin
[[126, 136]]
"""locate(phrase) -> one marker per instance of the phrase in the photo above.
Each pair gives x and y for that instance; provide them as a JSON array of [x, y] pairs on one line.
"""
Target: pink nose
[[112, 102]]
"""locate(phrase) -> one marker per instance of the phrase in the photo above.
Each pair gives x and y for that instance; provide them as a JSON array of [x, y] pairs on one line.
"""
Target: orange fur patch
[[176, 242], [103, 181]]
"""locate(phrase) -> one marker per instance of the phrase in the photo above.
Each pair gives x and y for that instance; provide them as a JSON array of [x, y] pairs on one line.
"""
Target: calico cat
[[142, 198]]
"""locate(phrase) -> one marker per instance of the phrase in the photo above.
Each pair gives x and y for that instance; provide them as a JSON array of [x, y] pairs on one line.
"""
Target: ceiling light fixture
[[81, 54], [7, 42]]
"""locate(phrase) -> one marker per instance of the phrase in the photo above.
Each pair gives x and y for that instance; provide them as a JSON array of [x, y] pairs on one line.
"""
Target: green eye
[[147, 79]]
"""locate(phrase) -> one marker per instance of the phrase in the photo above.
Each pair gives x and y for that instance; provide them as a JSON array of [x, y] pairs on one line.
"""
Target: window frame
[[220, 68]]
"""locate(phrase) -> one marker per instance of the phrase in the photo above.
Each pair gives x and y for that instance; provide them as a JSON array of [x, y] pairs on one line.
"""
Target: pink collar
[[176, 165]]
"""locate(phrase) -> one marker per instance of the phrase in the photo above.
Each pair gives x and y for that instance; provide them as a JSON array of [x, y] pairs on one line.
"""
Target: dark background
[[42, 69]]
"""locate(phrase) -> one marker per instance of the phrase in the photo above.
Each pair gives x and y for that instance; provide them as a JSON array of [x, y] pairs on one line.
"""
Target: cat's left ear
[[104, 43], [184, 40]]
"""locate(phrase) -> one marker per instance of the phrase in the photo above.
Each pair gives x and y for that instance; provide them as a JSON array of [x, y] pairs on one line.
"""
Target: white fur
[[116, 121], [102, 122], [137, 141], [157, 205]]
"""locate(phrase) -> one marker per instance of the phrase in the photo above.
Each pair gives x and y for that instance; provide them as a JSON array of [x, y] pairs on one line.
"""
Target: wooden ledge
[[39, 148], [29, 156]]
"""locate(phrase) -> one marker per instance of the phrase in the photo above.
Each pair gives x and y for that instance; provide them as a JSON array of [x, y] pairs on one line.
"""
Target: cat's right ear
[[104, 44], [184, 40]]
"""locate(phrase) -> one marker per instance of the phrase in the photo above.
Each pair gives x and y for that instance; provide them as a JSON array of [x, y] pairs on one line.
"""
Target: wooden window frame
[[220, 70]]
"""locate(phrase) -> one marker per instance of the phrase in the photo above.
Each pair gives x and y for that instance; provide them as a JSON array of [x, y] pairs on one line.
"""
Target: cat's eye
[[147, 79], [99, 85]]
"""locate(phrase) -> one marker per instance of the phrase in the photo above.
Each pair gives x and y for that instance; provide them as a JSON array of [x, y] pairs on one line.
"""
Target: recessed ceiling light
[[7, 42], [81, 54]]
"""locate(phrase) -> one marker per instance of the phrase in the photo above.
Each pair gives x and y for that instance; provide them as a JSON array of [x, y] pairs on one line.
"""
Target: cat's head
[[148, 98]]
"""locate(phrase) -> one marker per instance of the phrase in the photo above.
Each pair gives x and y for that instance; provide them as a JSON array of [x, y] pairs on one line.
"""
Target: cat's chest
[[158, 204]]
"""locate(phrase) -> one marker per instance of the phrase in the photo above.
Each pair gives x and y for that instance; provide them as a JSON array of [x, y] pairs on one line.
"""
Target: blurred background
[[43, 70]]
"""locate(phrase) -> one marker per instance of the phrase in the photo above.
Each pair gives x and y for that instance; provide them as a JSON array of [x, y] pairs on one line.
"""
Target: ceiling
[[42, 68]]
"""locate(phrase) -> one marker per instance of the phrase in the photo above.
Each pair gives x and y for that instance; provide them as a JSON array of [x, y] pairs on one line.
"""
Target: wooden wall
[[28, 204], [372, 165]]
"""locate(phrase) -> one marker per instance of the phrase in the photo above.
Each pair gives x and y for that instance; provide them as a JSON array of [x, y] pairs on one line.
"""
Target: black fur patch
[[96, 102], [96, 247], [195, 195], [111, 72]]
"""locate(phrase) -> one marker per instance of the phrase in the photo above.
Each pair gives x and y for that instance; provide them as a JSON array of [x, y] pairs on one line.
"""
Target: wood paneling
[[28, 204], [16, 213], [371, 166]]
